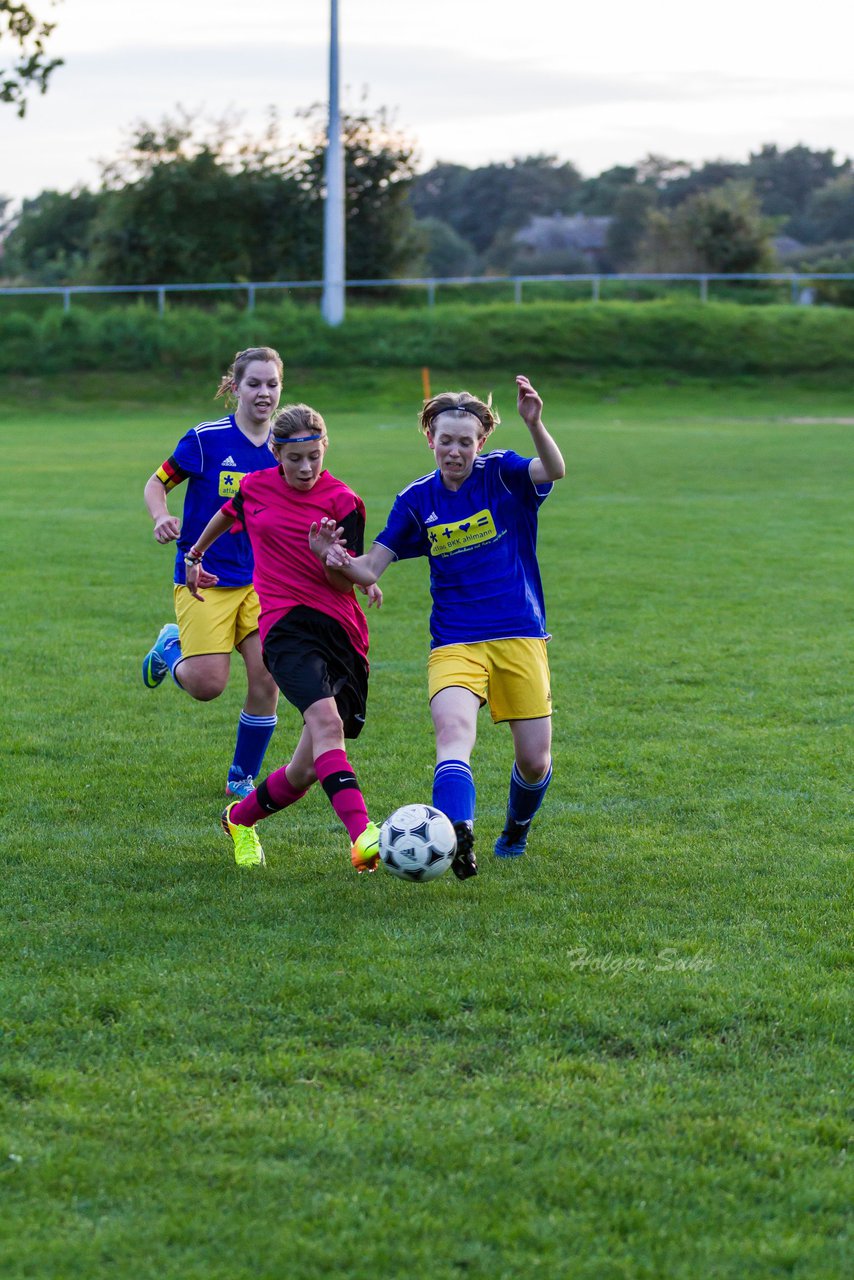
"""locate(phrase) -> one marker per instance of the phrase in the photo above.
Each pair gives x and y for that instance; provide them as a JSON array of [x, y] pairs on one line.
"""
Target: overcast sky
[[470, 81]]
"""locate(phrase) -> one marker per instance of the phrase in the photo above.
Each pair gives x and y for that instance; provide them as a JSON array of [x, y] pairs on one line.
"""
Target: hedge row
[[690, 337]]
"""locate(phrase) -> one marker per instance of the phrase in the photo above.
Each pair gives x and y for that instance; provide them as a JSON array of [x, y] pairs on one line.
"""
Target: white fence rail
[[798, 282]]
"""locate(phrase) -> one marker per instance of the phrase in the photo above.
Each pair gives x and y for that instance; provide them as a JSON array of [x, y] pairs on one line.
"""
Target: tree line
[[657, 215], [192, 201]]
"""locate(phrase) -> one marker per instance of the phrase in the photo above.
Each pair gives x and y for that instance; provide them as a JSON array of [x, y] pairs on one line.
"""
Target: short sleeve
[[354, 531], [404, 534], [515, 474], [188, 454]]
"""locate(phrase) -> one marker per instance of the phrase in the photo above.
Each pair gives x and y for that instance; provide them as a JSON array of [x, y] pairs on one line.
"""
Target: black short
[[309, 655]]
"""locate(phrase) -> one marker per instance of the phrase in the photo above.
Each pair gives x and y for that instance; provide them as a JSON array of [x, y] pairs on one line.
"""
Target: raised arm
[[548, 464]]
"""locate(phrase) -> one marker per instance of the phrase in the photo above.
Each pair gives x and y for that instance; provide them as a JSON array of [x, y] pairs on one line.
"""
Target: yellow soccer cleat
[[365, 853], [247, 846]]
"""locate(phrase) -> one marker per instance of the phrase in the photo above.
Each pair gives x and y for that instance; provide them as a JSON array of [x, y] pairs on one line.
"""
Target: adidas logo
[[228, 462], [432, 516]]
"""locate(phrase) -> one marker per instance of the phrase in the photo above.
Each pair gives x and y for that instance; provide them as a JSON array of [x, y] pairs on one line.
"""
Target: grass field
[[626, 1056]]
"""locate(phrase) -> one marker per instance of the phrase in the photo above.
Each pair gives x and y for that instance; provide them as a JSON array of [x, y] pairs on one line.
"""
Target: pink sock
[[279, 793], [339, 782]]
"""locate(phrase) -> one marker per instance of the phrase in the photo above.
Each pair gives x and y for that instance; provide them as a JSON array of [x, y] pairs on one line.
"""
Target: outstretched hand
[[529, 402], [337, 557], [323, 538]]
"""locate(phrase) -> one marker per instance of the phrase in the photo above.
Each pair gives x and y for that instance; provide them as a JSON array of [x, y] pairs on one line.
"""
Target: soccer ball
[[417, 842]]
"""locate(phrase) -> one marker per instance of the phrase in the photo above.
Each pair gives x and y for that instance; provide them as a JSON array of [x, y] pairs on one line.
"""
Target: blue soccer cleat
[[239, 786], [154, 665], [513, 839]]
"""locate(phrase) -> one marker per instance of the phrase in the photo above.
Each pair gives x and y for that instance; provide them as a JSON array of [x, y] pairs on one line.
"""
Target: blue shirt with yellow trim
[[481, 541], [213, 457]]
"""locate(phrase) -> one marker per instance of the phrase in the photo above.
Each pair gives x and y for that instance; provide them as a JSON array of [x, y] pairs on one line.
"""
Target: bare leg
[[262, 694], [532, 740], [204, 676]]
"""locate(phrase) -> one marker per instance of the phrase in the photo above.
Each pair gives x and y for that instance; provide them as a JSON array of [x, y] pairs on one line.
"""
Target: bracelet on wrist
[[192, 557]]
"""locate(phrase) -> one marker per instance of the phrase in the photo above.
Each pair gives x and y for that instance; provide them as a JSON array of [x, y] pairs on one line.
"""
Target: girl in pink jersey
[[313, 632]]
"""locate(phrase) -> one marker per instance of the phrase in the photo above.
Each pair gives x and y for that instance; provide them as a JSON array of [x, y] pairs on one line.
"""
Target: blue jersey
[[212, 458], [481, 540]]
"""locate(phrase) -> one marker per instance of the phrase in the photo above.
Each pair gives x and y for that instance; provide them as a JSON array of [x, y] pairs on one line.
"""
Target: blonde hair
[[297, 420], [234, 375], [459, 402]]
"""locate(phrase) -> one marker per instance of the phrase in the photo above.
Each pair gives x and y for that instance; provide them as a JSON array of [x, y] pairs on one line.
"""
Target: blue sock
[[525, 797], [172, 655], [453, 790], [253, 738]]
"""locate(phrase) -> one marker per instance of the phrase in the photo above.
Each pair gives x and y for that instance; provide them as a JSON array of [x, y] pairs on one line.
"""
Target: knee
[[452, 731], [204, 686], [205, 690], [325, 725], [201, 677], [533, 765]]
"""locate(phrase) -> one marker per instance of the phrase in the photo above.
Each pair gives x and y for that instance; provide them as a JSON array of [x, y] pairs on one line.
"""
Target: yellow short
[[227, 616], [511, 675]]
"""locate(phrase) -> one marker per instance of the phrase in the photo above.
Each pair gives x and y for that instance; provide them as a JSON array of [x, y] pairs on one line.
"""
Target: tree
[[49, 242], [727, 229], [710, 175], [786, 181], [480, 203], [722, 230], [831, 210], [189, 200], [191, 220], [441, 193], [660, 172], [632, 210], [598, 196], [31, 67], [443, 251], [378, 168], [185, 201], [201, 203]]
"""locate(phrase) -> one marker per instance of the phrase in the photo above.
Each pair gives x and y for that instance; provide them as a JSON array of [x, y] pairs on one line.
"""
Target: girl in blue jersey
[[475, 518], [212, 458]]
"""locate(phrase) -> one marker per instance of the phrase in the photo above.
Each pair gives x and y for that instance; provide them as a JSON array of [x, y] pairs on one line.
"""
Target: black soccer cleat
[[464, 863]]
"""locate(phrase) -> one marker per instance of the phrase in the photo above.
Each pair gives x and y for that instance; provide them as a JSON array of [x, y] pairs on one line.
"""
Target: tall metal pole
[[333, 209]]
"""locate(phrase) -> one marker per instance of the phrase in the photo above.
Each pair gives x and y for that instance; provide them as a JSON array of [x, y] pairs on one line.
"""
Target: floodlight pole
[[332, 305]]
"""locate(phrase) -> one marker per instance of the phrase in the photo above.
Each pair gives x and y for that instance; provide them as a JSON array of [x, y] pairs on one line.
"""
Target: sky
[[469, 81]]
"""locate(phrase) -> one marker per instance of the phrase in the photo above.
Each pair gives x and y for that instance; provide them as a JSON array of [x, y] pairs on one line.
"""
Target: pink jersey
[[277, 518]]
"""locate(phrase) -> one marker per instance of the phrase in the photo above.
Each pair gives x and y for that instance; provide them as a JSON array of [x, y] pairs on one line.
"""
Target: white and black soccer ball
[[417, 842]]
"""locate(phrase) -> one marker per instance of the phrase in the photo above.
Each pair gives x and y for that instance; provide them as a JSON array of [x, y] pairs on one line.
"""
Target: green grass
[[626, 1056]]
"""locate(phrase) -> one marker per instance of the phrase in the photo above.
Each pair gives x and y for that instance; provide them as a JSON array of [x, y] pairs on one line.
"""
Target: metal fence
[[798, 283]]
